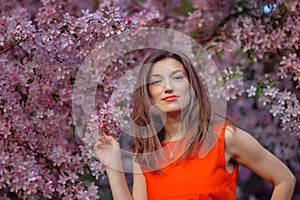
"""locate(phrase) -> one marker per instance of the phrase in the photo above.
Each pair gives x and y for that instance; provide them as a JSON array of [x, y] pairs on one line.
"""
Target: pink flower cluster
[[102, 123], [290, 68], [43, 44], [40, 152], [285, 105]]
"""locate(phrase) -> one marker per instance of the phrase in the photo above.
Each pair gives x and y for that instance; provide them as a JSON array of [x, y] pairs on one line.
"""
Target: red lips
[[170, 98]]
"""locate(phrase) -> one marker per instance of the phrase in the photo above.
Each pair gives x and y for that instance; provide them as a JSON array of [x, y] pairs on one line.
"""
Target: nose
[[168, 88]]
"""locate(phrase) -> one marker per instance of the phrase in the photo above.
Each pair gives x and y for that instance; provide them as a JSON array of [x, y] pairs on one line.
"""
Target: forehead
[[167, 65]]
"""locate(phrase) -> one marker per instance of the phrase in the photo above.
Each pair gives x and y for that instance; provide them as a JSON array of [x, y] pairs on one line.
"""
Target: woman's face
[[168, 86]]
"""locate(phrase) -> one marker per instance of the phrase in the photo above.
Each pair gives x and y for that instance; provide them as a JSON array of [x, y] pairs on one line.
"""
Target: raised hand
[[108, 152]]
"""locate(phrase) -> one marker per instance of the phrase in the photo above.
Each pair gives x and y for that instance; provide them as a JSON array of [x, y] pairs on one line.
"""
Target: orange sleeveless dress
[[196, 178]]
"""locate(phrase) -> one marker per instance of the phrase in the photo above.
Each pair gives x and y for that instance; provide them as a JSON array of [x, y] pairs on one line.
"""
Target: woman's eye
[[177, 78], [155, 82]]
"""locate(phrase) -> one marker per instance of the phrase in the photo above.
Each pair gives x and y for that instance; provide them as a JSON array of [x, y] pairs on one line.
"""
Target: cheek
[[184, 88], [154, 92]]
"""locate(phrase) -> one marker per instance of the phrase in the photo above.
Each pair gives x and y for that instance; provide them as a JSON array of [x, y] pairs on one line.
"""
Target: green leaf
[[223, 79], [249, 54], [216, 39], [259, 91], [250, 60], [260, 88], [244, 3], [275, 83], [194, 34], [187, 7], [220, 53], [72, 135], [100, 87], [29, 81], [236, 75], [298, 53], [87, 178]]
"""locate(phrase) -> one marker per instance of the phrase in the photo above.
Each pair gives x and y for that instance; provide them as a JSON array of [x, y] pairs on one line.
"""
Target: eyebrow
[[174, 72]]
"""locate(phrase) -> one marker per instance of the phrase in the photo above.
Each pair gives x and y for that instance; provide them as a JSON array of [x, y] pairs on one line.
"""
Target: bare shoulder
[[229, 132], [238, 142], [242, 147], [233, 133]]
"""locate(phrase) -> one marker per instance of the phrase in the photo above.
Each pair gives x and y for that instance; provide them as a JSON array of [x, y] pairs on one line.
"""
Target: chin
[[173, 110]]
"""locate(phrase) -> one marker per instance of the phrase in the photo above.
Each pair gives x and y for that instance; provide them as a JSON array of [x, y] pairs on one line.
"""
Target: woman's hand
[[108, 152]]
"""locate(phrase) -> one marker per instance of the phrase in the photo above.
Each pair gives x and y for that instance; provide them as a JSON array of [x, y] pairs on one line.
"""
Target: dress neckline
[[173, 141]]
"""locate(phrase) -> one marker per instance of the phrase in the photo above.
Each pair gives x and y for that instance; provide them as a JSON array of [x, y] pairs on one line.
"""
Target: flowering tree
[[42, 46]]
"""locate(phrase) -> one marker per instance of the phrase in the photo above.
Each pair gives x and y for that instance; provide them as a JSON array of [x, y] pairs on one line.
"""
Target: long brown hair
[[148, 124]]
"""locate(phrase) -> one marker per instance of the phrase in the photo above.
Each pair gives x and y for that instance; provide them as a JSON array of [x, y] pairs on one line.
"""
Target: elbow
[[289, 181], [293, 183], [293, 180]]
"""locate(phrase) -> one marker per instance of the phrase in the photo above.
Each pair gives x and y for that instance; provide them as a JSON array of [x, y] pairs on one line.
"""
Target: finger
[[101, 139], [111, 140], [100, 142], [98, 145]]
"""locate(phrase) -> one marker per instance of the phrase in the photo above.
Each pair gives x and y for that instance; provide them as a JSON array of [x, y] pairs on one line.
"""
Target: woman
[[181, 151]]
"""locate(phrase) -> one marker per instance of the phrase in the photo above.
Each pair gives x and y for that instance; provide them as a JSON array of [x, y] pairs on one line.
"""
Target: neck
[[172, 128]]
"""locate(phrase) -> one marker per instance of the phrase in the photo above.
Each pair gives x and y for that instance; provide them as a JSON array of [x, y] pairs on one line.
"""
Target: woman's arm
[[118, 184], [139, 190], [244, 149], [109, 153]]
